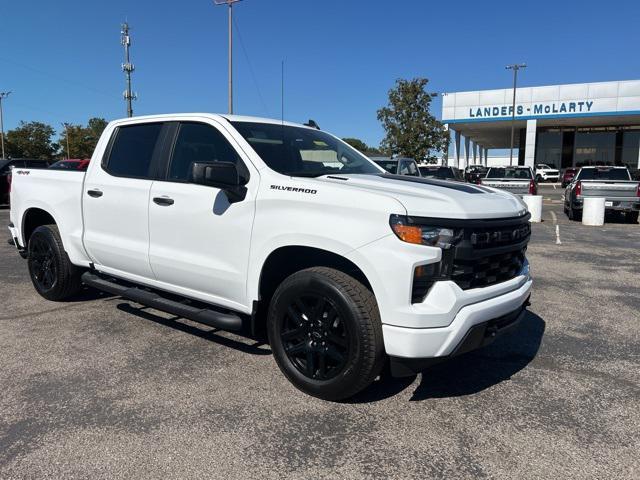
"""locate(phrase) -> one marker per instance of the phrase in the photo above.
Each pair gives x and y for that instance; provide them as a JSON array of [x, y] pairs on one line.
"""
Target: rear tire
[[575, 214], [52, 273], [325, 333]]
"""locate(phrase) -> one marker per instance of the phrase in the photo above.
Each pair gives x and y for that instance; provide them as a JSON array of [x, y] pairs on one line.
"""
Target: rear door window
[[133, 149]]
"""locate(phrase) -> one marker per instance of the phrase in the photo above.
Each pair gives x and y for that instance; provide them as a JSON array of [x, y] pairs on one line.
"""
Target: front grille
[[486, 271], [489, 252]]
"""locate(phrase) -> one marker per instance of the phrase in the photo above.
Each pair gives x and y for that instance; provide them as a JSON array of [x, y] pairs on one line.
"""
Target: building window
[[549, 148], [631, 149], [594, 148]]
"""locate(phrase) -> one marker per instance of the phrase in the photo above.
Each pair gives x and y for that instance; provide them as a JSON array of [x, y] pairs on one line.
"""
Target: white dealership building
[[559, 125]]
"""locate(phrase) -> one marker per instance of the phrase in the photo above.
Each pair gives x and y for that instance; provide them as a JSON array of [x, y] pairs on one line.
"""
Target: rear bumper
[[13, 231], [621, 204]]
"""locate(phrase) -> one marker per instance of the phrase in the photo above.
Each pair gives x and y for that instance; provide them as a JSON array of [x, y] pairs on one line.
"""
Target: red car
[[71, 164], [568, 175]]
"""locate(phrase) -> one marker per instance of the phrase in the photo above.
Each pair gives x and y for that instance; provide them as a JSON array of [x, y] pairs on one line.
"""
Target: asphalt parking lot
[[101, 388]]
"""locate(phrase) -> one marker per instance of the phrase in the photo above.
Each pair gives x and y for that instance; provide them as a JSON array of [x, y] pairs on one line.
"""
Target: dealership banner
[[586, 99]]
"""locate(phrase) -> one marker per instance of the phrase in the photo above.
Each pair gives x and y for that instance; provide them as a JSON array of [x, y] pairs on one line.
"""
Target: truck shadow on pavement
[[212, 334], [470, 373]]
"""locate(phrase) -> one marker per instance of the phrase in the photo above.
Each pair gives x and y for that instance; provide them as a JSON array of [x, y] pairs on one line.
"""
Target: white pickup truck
[[264, 226]]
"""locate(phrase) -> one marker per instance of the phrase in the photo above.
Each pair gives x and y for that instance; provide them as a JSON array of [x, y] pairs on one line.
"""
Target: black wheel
[[575, 214], [325, 332], [632, 217], [53, 275]]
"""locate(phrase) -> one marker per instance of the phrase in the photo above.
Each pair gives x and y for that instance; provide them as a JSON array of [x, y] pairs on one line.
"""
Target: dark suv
[[5, 173]]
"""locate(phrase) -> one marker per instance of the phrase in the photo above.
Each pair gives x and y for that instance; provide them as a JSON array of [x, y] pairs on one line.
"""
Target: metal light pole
[[229, 3], [3, 95], [66, 129], [515, 67]]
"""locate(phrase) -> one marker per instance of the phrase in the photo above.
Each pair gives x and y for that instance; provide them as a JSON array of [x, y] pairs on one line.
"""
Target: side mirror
[[222, 175]]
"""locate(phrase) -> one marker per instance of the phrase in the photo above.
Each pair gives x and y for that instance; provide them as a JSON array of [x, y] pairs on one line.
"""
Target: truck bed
[[58, 192]]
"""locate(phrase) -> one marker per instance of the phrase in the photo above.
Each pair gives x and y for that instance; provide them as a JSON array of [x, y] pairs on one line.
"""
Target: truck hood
[[424, 197]]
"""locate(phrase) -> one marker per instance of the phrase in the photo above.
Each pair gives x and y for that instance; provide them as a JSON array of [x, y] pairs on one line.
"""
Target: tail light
[[532, 187], [579, 188]]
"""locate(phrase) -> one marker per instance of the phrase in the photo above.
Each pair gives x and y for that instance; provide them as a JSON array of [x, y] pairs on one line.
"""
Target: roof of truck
[[230, 118]]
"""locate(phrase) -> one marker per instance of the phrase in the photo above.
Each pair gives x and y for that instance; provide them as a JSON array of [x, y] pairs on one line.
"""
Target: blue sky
[[62, 59]]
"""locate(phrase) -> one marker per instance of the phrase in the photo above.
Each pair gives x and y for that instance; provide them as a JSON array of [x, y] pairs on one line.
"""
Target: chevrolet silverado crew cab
[[267, 227], [621, 193]]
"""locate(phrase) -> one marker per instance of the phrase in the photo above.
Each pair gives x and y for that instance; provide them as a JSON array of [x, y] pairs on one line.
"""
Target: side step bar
[[213, 318]]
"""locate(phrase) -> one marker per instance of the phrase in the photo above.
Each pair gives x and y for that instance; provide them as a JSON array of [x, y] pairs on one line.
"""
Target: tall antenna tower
[[127, 68]]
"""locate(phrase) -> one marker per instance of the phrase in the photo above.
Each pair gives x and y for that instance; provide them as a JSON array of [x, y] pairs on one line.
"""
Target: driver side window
[[199, 142]]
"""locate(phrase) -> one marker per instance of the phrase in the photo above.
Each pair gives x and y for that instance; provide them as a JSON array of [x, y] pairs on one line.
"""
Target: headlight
[[431, 235]]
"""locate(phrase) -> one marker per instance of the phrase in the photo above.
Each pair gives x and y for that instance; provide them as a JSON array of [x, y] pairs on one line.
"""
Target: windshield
[[303, 152], [509, 172], [390, 166], [604, 174]]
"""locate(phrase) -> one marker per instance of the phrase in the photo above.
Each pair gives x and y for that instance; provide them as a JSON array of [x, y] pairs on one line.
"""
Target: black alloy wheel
[[325, 333], [314, 337], [52, 273], [42, 264]]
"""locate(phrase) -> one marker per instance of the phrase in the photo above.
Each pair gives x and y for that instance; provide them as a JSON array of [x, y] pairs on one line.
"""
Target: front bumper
[[477, 336], [423, 343]]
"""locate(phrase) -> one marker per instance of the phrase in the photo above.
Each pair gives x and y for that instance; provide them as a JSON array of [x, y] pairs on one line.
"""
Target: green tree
[[411, 129], [361, 146], [31, 140], [82, 140]]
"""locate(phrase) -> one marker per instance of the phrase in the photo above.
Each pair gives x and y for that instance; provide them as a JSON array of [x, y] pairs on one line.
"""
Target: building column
[[480, 150], [456, 147], [530, 143], [467, 147], [486, 157], [475, 152]]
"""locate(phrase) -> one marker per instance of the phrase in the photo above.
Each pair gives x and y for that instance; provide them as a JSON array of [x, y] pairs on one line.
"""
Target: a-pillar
[[530, 144], [456, 148], [467, 147]]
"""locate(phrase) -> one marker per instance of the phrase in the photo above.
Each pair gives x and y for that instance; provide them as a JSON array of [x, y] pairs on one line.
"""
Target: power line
[[253, 76], [57, 77]]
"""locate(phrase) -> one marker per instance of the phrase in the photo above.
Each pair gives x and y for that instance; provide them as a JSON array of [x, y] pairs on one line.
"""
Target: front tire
[[52, 273], [325, 333]]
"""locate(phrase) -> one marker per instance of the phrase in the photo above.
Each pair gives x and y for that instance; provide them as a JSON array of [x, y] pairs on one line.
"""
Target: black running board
[[153, 299]]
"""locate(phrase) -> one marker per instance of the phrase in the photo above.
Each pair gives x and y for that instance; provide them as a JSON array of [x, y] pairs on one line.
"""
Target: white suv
[[545, 173]]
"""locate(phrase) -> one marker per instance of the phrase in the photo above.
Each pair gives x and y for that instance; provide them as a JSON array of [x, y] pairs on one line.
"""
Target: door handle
[[95, 193], [164, 201]]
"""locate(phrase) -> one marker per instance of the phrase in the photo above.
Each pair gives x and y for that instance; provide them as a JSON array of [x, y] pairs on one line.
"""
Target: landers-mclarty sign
[[549, 108]]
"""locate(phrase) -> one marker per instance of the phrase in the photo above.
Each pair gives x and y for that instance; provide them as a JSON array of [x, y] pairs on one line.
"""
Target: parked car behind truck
[[621, 193], [516, 180], [253, 224], [5, 173]]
